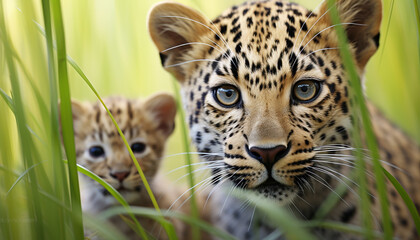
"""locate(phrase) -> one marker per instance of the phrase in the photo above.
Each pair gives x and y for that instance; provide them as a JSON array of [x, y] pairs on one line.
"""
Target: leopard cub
[[146, 124]]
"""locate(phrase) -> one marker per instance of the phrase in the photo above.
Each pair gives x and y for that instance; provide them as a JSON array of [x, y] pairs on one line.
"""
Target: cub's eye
[[306, 90], [96, 151], [138, 147], [227, 95]]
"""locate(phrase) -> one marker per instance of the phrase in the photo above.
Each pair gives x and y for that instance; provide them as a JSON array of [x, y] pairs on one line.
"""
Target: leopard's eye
[[96, 151], [138, 147], [306, 91], [227, 95]]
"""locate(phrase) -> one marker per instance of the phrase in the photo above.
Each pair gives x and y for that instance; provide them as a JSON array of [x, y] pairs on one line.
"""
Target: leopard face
[[264, 85], [146, 125]]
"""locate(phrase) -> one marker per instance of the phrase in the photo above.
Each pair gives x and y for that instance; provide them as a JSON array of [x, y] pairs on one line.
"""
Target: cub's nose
[[120, 176], [268, 156]]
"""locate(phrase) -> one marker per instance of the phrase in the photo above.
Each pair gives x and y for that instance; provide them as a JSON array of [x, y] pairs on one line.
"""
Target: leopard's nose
[[120, 176], [268, 156]]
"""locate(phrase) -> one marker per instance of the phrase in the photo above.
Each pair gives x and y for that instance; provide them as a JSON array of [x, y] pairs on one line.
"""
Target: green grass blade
[[407, 200], [7, 99], [151, 213], [188, 161], [370, 136], [67, 119], [61, 185], [347, 228], [104, 230], [279, 217], [37, 229], [21, 176]]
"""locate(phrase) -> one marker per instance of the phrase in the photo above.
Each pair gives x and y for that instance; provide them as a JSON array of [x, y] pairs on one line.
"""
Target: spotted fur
[[271, 142], [146, 124]]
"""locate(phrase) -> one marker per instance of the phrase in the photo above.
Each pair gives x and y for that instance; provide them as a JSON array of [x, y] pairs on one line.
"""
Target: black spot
[[344, 107], [327, 72], [279, 4], [206, 78], [290, 30], [237, 37], [322, 137], [348, 214], [291, 18], [234, 67], [238, 48], [249, 22], [280, 62], [309, 67], [331, 86], [303, 25], [404, 222], [235, 29], [293, 63], [376, 39], [163, 58], [223, 29], [245, 11], [337, 97], [289, 43], [320, 61]]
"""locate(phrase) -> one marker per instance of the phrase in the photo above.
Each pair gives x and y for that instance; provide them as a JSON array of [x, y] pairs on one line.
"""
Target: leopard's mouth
[[276, 191]]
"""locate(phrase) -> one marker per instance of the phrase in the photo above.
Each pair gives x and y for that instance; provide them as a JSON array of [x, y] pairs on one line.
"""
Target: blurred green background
[[109, 41]]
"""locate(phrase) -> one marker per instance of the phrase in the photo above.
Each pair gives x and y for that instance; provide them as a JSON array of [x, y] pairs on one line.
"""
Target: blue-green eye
[[96, 151], [306, 90], [227, 95]]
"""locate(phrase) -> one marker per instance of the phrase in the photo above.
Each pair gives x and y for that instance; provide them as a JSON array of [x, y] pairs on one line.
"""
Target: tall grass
[[109, 41]]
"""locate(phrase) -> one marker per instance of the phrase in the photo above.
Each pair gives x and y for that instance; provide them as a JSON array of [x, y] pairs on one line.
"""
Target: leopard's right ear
[[172, 26]]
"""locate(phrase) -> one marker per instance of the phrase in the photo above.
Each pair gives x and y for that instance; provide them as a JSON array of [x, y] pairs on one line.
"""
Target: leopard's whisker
[[195, 153], [293, 204], [204, 25], [252, 218], [191, 61], [325, 29], [188, 190], [191, 43], [205, 164], [314, 175], [303, 200], [304, 24], [316, 22]]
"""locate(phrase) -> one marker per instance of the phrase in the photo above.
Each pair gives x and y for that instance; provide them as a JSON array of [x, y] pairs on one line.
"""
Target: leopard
[[147, 125], [267, 94]]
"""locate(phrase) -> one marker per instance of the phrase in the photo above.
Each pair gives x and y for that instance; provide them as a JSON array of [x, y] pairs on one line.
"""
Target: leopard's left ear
[[363, 33], [162, 108], [172, 27]]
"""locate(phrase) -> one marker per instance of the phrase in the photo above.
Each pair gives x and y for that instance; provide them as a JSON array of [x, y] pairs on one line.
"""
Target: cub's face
[[264, 86], [99, 148]]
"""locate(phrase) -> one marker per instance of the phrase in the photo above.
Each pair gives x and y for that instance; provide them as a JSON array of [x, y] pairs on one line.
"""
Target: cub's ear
[[162, 108], [172, 26], [78, 109], [363, 33]]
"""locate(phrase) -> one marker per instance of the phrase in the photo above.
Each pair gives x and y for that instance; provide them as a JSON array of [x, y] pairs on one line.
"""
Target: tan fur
[[148, 121]]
